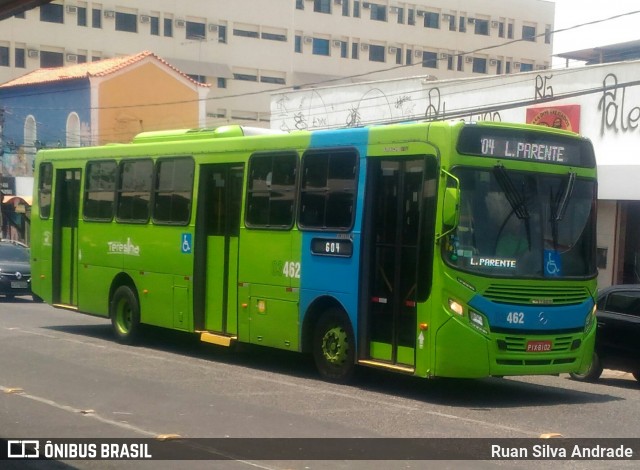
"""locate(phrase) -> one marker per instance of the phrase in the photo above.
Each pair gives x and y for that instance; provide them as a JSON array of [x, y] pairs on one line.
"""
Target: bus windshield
[[522, 224]]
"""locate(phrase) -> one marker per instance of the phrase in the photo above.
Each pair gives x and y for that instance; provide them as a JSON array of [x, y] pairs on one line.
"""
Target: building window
[[51, 59], [82, 16], [412, 17], [328, 190], [272, 80], [300, 4], [529, 33], [481, 27], [245, 77], [460, 65], [222, 34], [100, 190], [52, 13], [510, 31], [126, 22], [378, 12], [400, 13], [462, 24], [222, 82], [73, 130], [356, 9], [501, 29], [245, 33], [134, 192], [449, 62], [452, 22], [173, 189], [430, 59], [498, 67], [322, 6], [320, 46], [376, 53], [154, 27], [526, 67], [345, 7], [4, 56], [355, 50], [96, 18], [196, 30], [274, 37], [20, 58], [479, 65], [344, 50], [409, 57], [168, 28], [431, 20], [298, 44], [547, 35], [271, 190], [398, 55], [508, 67]]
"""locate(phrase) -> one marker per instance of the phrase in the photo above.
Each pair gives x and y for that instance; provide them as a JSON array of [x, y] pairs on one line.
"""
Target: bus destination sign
[[535, 147], [551, 152]]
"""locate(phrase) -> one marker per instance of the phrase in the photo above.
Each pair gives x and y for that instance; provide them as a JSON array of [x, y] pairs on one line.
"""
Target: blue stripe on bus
[[540, 317], [327, 275]]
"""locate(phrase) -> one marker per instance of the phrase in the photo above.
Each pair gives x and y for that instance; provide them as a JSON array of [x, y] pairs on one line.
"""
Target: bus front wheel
[[334, 347], [125, 315], [592, 374]]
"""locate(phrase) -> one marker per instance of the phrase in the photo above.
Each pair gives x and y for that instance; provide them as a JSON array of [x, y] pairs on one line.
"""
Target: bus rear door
[[216, 248], [65, 236]]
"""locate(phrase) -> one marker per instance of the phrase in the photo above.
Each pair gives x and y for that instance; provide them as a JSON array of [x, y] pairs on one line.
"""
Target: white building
[[602, 102], [248, 48]]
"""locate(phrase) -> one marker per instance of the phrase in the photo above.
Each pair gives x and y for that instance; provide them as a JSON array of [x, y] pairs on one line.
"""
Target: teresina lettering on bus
[[528, 151], [127, 248]]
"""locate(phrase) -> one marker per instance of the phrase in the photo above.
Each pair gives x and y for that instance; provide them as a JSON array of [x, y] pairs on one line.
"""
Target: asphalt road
[[62, 375]]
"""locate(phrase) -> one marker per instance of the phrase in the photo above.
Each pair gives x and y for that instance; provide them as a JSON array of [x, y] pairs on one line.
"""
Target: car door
[[619, 324]]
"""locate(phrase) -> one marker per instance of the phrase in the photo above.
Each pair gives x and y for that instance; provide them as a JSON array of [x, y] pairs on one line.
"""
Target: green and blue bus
[[430, 249]]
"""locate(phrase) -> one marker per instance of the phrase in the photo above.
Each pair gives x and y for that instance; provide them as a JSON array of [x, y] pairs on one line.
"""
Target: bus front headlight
[[591, 318]]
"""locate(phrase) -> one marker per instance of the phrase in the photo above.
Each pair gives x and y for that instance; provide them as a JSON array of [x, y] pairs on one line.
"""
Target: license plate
[[539, 346], [19, 284]]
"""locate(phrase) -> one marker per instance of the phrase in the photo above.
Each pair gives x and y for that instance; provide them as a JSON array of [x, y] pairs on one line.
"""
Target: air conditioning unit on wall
[[33, 53]]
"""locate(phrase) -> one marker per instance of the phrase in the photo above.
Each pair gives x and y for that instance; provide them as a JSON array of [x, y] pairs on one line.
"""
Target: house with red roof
[[94, 103]]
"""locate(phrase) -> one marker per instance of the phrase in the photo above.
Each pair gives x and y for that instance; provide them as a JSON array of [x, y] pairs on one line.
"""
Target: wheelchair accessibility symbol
[[186, 243], [552, 263]]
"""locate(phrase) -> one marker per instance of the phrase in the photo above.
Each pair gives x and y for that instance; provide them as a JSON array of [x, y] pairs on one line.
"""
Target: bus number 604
[[515, 317]]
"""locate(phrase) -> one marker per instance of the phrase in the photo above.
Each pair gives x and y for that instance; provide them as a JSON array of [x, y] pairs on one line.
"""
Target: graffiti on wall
[[616, 115]]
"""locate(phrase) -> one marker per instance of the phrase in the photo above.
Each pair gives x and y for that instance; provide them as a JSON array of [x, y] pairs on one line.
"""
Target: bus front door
[[394, 209], [216, 248], [65, 237]]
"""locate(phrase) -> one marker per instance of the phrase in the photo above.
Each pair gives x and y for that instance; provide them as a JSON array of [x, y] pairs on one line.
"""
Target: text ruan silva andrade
[[548, 451]]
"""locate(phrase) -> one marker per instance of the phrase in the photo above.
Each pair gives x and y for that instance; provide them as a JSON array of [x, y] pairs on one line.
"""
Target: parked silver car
[[15, 269]]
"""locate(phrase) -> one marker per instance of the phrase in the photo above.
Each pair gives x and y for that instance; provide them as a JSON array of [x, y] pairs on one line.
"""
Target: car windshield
[[524, 224], [13, 253]]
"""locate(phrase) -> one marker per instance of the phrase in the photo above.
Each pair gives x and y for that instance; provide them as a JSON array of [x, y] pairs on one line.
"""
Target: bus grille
[[537, 295]]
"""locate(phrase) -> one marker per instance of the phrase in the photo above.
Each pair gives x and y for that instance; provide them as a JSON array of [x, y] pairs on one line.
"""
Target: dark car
[[618, 335], [15, 269]]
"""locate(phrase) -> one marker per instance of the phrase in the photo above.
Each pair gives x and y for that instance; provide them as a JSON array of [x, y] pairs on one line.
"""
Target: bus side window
[[134, 193], [100, 190], [45, 184], [173, 190]]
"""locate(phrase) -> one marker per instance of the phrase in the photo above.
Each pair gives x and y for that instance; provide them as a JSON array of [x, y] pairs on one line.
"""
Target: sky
[[573, 12]]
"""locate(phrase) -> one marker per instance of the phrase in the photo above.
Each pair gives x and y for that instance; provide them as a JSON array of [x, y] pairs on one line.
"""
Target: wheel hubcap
[[334, 345]]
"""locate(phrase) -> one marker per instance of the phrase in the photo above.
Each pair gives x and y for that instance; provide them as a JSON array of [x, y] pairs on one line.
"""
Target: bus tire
[[592, 374], [124, 311], [334, 347]]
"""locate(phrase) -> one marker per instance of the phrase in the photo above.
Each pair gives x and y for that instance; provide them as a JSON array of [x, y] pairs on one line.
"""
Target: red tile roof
[[99, 68]]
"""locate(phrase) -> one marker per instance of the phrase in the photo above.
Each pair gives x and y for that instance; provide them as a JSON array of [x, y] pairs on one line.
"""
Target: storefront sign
[[565, 117]]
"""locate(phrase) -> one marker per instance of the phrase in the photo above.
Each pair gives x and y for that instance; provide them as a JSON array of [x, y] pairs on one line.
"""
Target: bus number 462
[[516, 317]]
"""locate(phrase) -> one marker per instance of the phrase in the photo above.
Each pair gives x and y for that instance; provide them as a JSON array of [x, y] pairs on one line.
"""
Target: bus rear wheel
[[125, 315], [334, 347]]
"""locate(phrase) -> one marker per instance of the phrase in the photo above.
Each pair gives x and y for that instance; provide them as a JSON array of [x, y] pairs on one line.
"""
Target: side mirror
[[450, 204]]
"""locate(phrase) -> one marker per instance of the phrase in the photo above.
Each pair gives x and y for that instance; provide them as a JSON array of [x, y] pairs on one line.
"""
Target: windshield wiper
[[563, 201], [515, 198]]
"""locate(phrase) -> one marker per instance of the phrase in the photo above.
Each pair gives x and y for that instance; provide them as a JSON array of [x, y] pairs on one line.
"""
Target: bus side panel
[[267, 265]]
